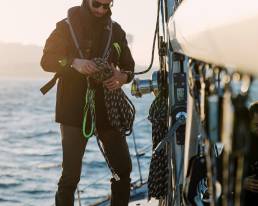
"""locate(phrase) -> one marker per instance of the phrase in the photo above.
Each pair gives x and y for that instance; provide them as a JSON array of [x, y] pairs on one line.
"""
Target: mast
[[177, 95]]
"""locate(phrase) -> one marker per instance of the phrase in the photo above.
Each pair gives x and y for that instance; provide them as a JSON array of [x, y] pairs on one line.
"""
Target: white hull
[[223, 32]]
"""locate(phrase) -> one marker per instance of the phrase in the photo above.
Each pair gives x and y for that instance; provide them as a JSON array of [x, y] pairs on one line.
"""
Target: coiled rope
[[120, 109], [158, 172]]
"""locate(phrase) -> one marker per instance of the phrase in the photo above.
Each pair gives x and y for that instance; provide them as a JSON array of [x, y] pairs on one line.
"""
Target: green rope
[[89, 106]]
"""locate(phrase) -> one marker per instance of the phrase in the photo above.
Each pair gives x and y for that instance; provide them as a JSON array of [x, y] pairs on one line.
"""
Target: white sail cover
[[223, 32]]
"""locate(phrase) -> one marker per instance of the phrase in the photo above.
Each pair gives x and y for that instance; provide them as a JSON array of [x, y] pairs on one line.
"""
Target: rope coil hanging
[[158, 173]]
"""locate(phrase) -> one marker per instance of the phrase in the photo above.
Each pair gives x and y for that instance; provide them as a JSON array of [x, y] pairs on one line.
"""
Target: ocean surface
[[30, 147]]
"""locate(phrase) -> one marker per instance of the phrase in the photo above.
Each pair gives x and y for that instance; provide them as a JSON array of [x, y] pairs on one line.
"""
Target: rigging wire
[[154, 43], [163, 14], [137, 157]]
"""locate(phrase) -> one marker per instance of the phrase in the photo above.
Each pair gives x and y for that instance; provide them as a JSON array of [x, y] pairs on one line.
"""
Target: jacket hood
[[81, 16], [86, 14]]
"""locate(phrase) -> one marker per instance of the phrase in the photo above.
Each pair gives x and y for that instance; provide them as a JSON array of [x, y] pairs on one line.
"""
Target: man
[[91, 24]]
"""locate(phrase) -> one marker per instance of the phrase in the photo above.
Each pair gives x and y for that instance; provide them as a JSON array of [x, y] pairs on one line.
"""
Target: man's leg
[[117, 152], [73, 144]]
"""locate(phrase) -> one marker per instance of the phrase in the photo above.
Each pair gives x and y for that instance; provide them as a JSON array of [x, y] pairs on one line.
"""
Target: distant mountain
[[18, 60]]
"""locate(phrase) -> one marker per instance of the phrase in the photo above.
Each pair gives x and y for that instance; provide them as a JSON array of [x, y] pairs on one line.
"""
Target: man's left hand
[[116, 81]]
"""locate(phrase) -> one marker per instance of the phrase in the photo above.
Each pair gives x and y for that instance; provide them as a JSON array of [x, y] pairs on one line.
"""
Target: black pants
[[117, 152]]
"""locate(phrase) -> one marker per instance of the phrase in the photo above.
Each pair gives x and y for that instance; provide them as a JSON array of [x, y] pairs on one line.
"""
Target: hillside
[[20, 60]]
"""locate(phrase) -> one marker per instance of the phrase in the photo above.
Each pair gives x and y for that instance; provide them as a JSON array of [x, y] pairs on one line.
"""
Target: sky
[[31, 21]]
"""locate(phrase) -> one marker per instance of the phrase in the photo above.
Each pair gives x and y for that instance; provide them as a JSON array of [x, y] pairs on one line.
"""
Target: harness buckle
[[116, 177]]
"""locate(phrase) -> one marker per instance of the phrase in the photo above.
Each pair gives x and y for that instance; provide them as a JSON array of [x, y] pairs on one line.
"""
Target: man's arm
[[55, 54]]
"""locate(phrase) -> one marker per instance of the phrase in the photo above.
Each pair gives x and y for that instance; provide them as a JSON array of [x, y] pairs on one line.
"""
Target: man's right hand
[[84, 66]]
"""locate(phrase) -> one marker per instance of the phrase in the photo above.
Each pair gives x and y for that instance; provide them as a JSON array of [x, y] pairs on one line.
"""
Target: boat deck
[[145, 203], [138, 197]]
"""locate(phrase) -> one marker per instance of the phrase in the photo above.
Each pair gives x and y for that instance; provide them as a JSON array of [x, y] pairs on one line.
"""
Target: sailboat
[[204, 45]]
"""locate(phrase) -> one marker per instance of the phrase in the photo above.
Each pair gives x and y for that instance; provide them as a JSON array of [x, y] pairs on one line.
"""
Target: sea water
[[30, 147]]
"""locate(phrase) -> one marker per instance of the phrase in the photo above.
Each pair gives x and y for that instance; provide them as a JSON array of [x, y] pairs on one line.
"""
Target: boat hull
[[221, 32]]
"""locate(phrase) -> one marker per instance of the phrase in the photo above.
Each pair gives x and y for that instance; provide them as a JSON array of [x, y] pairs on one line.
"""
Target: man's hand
[[116, 81], [84, 66]]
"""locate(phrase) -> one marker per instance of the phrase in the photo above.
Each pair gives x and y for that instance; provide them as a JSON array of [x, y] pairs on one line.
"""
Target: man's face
[[99, 7], [254, 124]]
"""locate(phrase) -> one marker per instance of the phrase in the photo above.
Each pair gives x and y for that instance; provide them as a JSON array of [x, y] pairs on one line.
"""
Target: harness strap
[[106, 51], [76, 43], [90, 94], [49, 85]]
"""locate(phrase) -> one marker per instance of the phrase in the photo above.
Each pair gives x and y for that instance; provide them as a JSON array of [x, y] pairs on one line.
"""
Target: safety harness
[[120, 110]]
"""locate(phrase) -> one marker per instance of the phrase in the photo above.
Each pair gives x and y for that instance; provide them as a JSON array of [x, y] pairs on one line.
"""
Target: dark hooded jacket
[[60, 51]]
